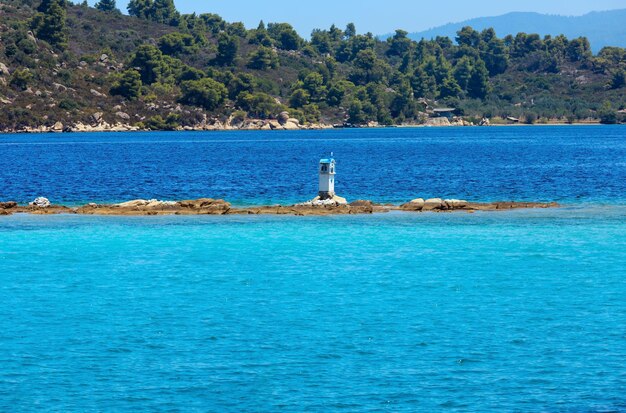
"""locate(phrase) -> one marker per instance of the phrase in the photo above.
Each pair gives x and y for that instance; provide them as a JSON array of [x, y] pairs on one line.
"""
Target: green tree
[[140, 8], [127, 84], [262, 59], [607, 114], [299, 98], [367, 67], [496, 57], [579, 49], [206, 93], [449, 88], [164, 11], [618, 79], [150, 63], [313, 83], [467, 36], [285, 36], [49, 23], [424, 85], [227, 48], [399, 44], [175, 44], [350, 31], [108, 6], [259, 105], [478, 85], [463, 72]]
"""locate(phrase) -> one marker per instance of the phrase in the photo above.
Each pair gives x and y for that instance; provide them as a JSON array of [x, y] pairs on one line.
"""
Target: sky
[[376, 16]]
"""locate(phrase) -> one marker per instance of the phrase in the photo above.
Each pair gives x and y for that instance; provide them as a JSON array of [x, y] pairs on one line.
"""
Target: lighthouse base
[[323, 196], [334, 200]]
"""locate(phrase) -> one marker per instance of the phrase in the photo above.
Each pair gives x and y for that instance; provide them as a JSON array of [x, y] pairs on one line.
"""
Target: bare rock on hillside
[[4, 70]]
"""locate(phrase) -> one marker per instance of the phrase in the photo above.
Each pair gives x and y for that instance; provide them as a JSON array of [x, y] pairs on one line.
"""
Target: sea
[[519, 311]]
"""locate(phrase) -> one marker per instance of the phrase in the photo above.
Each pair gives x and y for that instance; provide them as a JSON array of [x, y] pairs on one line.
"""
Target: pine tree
[[140, 8], [164, 11], [106, 6], [478, 85], [49, 23]]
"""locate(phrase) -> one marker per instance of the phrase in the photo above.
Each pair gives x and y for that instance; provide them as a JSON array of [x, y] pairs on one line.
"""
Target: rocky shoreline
[[208, 206]]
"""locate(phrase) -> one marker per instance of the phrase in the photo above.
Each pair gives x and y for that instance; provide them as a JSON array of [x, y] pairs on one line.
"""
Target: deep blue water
[[572, 164], [520, 311]]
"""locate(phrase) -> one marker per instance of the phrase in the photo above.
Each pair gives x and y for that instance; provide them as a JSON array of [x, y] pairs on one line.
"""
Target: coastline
[[266, 125], [209, 206]]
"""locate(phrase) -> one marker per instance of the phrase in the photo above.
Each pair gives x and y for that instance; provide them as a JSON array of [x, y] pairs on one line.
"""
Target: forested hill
[[602, 28], [66, 64]]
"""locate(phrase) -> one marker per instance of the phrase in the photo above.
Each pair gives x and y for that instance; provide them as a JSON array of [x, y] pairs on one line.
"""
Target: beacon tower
[[327, 178]]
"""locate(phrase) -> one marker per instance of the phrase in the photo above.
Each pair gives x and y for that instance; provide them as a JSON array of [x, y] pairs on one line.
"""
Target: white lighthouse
[[327, 178]]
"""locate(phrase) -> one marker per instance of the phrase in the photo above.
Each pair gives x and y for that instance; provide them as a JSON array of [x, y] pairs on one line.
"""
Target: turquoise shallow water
[[518, 311]]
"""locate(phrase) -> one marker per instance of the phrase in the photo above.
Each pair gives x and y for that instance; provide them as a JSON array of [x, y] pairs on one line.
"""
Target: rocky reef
[[208, 206]]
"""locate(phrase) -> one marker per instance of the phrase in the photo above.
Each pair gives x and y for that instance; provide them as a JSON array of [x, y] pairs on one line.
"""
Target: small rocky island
[[207, 206]]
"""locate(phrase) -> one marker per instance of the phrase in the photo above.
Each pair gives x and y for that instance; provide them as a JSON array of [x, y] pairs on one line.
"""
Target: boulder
[[97, 94], [4, 70], [31, 37], [97, 117], [414, 205], [432, 204], [455, 203], [136, 203], [283, 117], [274, 124], [57, 127], [59, 87], [122, 115], [40, 202], [291, 125]]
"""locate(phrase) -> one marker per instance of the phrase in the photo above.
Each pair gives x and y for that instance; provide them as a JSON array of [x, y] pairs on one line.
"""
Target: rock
[[438, 122], [291, 125], [361, 203], [4, 212], [57, 127], [432, 204], [97, 94], [104, 58], [40, 202], [8, 205], [274, 124], [5, 101], [31, 37], [133, 204], [318, 202], [283, 117], [122, 115], [97, 117], [59, 87], [4, 70], [414, 205], [455, 203], [484, 122]]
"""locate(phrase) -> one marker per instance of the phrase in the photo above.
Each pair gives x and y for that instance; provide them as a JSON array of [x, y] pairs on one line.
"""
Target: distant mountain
[[603, 28]]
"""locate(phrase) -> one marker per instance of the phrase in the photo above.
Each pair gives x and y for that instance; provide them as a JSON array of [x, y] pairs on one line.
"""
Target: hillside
[[73, 67], [602, 28]]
